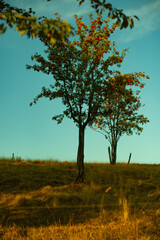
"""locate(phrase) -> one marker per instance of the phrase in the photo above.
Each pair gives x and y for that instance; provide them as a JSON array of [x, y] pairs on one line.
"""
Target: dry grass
[[39, 200], [101, 228]]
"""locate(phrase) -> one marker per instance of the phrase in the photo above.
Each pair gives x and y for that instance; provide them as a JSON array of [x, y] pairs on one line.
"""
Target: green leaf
[[108, 6], [118, 23], [33, 35], [52, 41], [17, 15], [136, 17], [2, 16], [124, 23], [1, 27], [131, 22], [23, 32], [3, 30]]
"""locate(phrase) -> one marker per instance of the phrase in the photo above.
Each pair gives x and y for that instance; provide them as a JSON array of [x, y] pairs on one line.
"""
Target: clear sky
[[30, 132]]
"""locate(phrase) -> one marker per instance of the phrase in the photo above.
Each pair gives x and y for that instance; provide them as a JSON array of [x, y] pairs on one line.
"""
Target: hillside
[[115, 202]]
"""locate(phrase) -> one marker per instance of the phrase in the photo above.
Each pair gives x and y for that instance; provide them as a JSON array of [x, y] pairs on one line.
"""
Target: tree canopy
[[27, 23], [121, 18], [124, 118]]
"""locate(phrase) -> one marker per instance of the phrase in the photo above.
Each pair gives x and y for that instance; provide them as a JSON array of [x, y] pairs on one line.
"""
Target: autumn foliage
[[124, 118], [26, 23]]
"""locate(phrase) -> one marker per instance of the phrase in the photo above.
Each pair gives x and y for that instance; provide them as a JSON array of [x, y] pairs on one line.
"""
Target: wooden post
[[109, 153], [129, 158]]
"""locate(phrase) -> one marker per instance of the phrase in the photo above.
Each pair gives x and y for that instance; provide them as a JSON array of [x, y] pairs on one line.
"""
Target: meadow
[[40, 201]]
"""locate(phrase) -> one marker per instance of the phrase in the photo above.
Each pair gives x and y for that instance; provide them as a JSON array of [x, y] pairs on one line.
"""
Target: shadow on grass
[[45, 216], [42, 194]]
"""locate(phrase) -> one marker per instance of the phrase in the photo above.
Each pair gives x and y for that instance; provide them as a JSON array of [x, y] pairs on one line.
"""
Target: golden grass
[[100, 228], [39, 201]]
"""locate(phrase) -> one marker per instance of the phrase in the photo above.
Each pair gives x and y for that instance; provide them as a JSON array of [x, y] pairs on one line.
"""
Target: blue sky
[[30, 132]]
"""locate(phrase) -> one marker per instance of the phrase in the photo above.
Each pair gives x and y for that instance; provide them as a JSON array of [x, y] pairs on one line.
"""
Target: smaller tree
[[124, 104]]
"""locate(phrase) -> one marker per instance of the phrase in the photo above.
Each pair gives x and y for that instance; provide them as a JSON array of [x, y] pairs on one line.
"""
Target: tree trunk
[[113, 152], [80, 156], [109, 153]]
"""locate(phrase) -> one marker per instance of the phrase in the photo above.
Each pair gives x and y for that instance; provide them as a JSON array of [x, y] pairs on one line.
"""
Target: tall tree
[[125, 104], [27, 23], [80, 68]]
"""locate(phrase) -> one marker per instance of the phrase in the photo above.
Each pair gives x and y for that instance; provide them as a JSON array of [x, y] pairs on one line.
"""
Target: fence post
[[13, 156], [129, 158]]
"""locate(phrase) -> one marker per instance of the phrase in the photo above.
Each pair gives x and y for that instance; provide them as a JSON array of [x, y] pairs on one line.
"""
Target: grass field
[[39, 200]]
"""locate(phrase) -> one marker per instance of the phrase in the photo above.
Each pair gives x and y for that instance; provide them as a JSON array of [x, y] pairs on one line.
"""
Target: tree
[[124, 118], [80, 68], [27, 23]]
